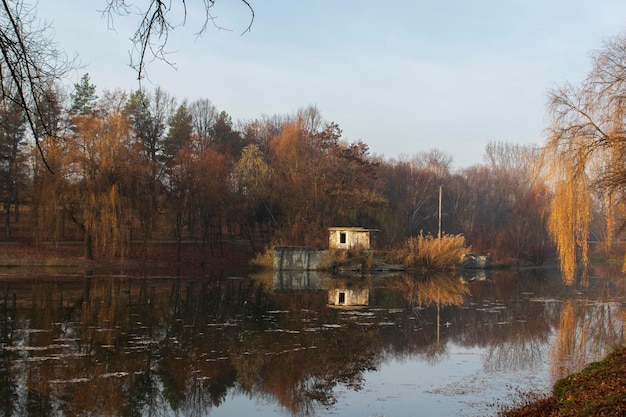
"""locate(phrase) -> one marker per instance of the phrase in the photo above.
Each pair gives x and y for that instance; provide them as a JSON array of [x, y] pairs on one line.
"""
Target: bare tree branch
[[153, 32], [30, 66]]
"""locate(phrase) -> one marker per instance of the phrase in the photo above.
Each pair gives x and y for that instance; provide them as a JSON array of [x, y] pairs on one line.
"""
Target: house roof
[[351, 229]]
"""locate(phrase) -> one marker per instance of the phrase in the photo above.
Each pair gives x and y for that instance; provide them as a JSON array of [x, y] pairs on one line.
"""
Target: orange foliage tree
[[322, 181], [91, 184]]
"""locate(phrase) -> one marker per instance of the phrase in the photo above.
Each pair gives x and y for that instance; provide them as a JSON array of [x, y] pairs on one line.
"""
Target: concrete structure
[[349, 237], [299, 258]]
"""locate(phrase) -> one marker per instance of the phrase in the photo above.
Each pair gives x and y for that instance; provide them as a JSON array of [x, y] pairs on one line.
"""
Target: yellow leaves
[[100, 143], [568, 223], [94, 165], [252, 173]]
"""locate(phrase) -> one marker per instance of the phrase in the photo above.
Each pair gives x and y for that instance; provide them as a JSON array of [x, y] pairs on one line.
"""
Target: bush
[[264, 259], [355, 258], [432, 253]]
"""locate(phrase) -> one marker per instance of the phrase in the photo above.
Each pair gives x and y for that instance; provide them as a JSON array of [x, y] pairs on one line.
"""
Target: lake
[[218, 343]]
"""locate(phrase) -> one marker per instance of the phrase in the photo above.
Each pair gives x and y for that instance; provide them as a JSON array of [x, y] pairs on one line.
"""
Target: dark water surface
[[129, 344]]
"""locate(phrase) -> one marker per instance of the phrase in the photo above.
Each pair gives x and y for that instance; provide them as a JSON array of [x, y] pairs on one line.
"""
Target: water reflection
[[125, 345]]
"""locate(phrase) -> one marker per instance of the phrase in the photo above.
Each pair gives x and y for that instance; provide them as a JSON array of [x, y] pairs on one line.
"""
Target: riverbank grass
[[597, 390], [431, 253]]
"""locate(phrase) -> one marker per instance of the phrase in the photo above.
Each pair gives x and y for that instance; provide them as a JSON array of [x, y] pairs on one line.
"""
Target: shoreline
[[598, 390]]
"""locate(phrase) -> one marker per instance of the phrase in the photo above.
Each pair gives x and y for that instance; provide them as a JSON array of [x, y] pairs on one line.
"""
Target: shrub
[[432, 253], [264, 259], [355, 258]]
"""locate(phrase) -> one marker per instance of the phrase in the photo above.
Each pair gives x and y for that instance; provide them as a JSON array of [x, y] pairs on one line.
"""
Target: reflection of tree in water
[[147, 346], [434, 289], [8, 385], [586, 330]]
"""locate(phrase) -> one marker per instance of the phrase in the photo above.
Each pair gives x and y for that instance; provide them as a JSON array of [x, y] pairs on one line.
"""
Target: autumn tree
[[93, 176], [323, 181], [104, 169], [49, 218], [211, 197], [586, 125], [260, 131], [255, 195]]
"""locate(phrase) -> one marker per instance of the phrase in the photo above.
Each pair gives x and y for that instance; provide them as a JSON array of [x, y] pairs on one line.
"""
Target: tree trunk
[[88, 246]]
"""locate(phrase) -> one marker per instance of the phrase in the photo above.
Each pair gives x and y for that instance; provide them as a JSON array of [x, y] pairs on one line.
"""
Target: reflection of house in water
[[298, 281], [348, 297]]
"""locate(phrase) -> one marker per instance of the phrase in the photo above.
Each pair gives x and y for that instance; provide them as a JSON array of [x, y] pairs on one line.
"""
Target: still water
[[218, 344]]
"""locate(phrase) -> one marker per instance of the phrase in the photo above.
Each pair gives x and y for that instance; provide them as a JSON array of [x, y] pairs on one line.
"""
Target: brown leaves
[[598, 390]]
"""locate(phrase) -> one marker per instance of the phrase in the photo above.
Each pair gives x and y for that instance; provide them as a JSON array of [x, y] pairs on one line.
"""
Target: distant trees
[[141, 166]]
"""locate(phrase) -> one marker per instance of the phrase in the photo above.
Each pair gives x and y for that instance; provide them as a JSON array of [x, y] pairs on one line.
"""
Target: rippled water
[[105, 344]]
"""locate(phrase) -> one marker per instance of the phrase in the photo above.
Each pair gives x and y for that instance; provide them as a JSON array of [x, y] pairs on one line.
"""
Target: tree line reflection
[[124, 345]]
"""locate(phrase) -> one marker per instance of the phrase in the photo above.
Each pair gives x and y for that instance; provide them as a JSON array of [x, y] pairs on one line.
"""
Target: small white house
[[349, 237]]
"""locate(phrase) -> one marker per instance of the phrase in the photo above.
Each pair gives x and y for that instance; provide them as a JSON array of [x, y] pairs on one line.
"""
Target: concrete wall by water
[[299, 258]]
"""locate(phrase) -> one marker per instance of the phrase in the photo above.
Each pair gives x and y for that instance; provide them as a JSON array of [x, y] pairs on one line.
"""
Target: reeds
[[431, 253]]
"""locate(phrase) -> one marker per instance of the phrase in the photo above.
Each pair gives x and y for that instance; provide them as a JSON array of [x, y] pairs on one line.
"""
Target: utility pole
[[440, 191]]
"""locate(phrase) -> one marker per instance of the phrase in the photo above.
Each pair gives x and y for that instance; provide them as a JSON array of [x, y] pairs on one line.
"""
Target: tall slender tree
[[12, 139]]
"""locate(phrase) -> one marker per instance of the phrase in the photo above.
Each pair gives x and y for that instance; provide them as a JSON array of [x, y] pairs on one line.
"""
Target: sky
[[402, 76]]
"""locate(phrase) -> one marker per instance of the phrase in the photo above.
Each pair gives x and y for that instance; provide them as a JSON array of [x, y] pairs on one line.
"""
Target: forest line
[[143, 165]]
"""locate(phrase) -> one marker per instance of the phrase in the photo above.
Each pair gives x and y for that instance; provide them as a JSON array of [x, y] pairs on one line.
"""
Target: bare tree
[[30, 64]]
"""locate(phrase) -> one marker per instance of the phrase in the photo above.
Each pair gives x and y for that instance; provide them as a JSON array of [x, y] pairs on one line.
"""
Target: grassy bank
[[71, 254], [597, 390]]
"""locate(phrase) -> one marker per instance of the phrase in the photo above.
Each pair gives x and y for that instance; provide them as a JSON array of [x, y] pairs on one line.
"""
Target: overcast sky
[[402, 76]]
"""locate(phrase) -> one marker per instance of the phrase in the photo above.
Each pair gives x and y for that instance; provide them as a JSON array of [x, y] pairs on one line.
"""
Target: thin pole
[[439, 234]]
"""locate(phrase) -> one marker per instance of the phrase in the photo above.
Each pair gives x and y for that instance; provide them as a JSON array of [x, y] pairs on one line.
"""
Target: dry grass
[[264, 259], [431, 253], [598, 390]]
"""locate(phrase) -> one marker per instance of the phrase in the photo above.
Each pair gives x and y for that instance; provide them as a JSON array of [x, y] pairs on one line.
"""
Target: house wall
[[353, 239]]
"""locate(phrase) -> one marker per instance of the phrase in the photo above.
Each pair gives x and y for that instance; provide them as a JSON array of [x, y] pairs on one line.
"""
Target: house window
[[342, 238], [342, 298]]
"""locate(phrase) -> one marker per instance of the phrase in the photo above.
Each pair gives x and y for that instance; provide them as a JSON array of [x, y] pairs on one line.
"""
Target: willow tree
[[585, 151]]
